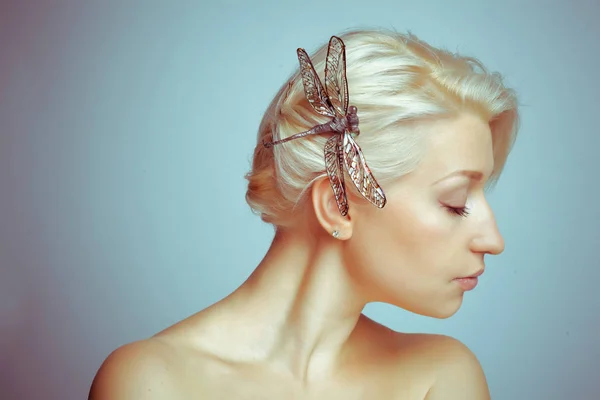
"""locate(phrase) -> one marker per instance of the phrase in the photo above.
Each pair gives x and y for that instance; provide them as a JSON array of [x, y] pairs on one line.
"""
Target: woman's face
[[435, 227]]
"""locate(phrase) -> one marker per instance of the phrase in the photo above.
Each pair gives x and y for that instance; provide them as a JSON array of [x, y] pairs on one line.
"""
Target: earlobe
[[326, 210]]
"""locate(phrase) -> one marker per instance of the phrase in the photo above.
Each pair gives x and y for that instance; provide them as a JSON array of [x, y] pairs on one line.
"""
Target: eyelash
[[460, 211]]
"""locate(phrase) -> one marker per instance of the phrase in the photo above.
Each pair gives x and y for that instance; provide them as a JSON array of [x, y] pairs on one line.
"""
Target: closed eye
[[460, 211]]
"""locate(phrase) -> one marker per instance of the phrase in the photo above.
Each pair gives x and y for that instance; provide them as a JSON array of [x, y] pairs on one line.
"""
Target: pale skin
[[295, 328]]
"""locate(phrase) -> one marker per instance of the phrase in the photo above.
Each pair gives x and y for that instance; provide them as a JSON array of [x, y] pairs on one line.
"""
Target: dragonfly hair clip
[[341, 150]]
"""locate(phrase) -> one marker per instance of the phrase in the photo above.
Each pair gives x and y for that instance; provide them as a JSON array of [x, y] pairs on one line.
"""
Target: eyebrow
[[471, 174]]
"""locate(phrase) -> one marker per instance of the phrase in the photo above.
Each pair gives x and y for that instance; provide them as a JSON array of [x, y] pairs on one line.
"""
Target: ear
[[327, 212]]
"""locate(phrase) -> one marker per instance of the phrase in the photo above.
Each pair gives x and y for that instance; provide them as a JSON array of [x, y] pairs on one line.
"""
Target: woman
[[432, 130]]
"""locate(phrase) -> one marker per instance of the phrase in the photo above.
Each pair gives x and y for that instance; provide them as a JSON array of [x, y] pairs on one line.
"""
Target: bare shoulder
[[425, 366], [457, 371], [446, 366], [138, 370]]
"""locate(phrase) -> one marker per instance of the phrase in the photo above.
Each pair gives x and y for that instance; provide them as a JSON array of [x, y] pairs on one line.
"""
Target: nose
[[488, 238]]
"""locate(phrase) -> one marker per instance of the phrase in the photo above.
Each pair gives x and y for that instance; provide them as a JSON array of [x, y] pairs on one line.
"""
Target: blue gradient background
[[125, 131]]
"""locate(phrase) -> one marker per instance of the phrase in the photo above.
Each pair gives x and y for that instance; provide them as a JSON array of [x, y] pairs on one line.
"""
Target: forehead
[[459, 143]]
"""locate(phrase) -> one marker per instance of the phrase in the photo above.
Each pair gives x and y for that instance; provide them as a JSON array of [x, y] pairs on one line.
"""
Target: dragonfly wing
[[335, 75], [360, 174], [313, 88], [334, 165]]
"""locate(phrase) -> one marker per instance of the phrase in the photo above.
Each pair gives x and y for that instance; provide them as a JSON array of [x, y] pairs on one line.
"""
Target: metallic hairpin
[[341, 150]]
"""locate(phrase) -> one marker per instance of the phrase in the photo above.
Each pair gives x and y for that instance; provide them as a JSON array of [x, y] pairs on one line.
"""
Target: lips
[[475, 275], [467, 283]]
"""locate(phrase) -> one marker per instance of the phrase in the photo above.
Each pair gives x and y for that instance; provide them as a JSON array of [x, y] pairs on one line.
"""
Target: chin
[[448, 309], [444, 315], [439, 311]]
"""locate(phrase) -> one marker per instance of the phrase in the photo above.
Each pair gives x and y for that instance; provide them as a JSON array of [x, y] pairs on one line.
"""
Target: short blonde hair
[[395, 80]]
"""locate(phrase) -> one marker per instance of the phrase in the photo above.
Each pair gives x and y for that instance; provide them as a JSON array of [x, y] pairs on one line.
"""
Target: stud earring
[[336, 234]]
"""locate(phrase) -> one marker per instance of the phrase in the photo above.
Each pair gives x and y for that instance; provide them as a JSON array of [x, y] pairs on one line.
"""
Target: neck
[[299, 306]]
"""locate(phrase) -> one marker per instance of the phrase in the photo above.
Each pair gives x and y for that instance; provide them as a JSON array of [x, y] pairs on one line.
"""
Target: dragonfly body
[[338, 124], [349, 123]]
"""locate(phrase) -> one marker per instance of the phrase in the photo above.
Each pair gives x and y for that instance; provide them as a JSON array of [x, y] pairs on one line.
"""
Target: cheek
[[399, 244], [416, 230], [404, 257]]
